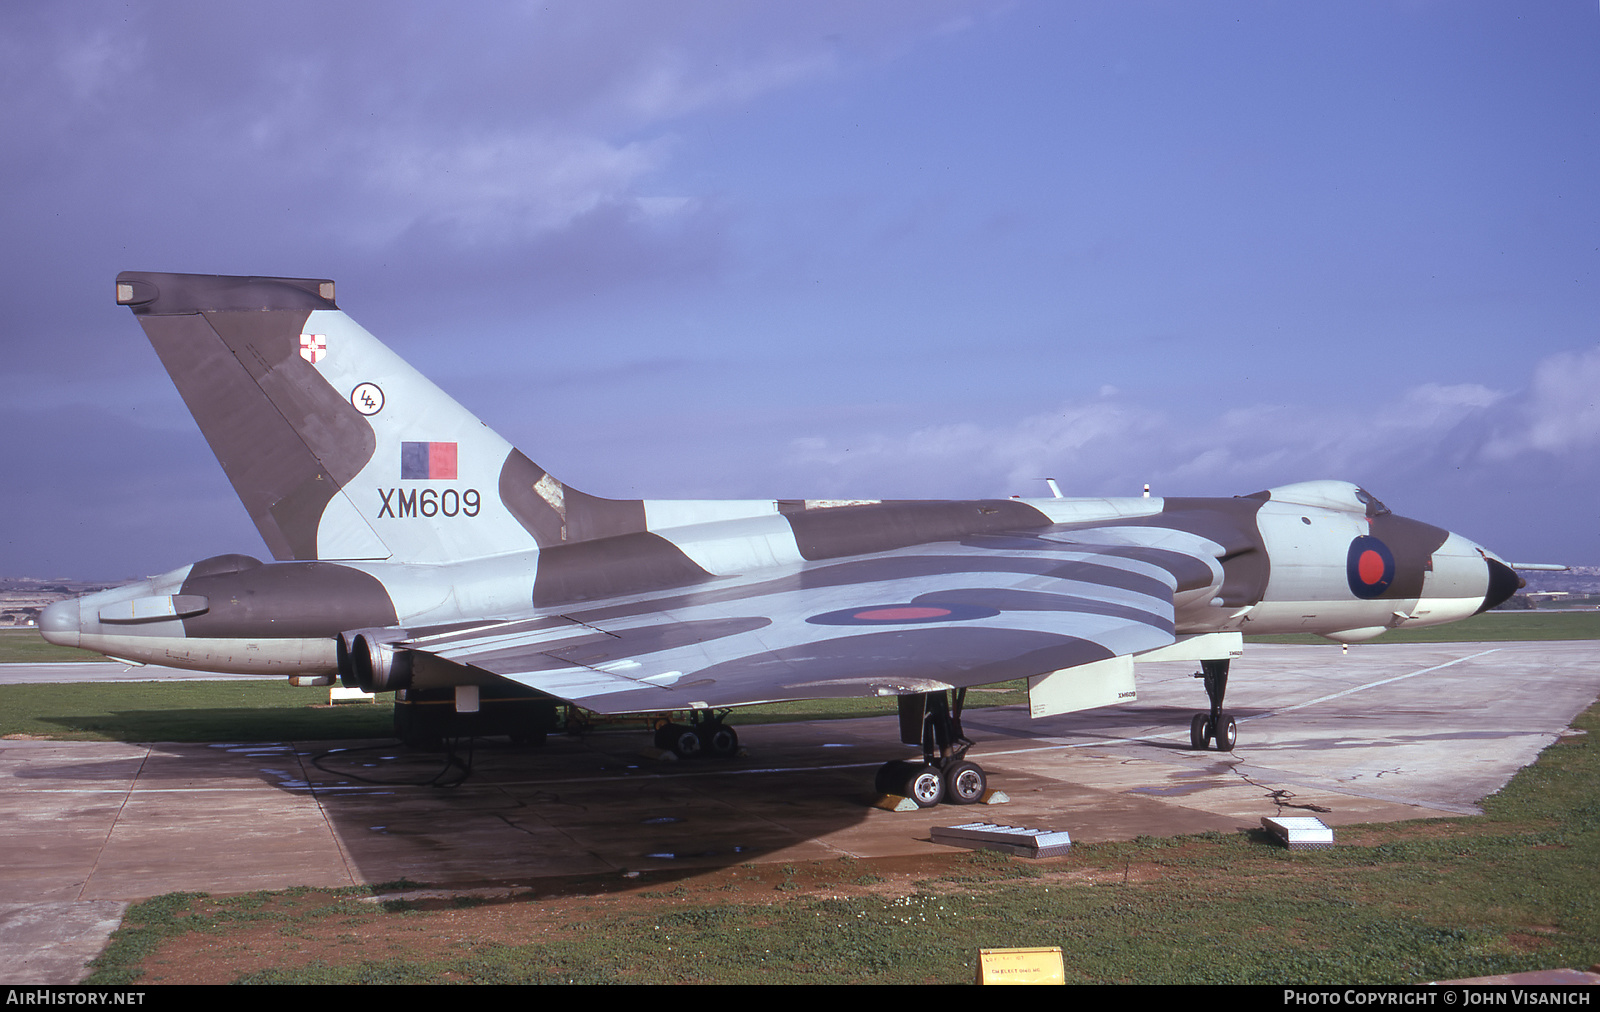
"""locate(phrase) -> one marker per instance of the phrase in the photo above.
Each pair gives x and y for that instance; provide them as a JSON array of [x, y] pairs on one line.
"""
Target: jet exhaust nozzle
[[369, 661]]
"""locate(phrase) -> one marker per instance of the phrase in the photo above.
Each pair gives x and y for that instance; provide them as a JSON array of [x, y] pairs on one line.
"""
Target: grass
[[186, 711], [1490, 627], [1508, 891], [1511, 890], [271, 710], [26, 646], [1010, 693]]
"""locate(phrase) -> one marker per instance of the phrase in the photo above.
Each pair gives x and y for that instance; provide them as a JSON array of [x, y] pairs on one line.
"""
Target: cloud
[[93, 65], [1111, 445], [1558, 415], [673, 84], [500, 125], [509, 186]]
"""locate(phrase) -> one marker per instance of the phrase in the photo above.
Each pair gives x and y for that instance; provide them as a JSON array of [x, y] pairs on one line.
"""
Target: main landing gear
[[929, 719], [1214, 726], [704, 736]]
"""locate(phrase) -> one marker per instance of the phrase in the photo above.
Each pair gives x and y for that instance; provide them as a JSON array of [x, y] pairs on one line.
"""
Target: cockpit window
[[1329, 495], [1375, 508]]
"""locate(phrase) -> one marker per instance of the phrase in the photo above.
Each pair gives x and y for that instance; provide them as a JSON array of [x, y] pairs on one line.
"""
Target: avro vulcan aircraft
[[418, 552]]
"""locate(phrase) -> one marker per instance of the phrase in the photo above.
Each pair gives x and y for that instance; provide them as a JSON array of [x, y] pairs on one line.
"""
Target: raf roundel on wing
[[903, 614]]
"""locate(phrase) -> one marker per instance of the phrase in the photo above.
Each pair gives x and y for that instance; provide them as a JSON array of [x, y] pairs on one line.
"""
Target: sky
[[892, 249]]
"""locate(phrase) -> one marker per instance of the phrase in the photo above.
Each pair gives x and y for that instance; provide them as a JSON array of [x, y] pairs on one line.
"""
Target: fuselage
[[1320, 557]]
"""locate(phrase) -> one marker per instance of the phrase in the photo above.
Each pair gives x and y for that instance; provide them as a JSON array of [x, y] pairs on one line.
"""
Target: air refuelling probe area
[[1383, 733]]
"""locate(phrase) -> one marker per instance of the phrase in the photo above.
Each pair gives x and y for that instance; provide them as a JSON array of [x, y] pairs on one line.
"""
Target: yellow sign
[[1021, 966]]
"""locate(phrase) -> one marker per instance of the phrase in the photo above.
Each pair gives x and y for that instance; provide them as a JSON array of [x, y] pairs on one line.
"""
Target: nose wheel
[[1214, 726]]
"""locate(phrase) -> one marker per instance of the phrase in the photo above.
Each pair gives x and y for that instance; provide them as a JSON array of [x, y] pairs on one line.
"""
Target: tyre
[[1227, 733], [679, 739], [892, 777], [964, 783], [925, 786], [719, 740]]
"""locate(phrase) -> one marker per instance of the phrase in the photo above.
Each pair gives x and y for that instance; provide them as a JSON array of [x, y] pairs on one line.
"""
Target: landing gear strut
[[1215, 726], [933, 720], [704, 735]]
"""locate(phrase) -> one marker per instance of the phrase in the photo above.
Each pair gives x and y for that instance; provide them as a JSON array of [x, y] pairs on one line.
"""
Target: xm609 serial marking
[[408, 502]]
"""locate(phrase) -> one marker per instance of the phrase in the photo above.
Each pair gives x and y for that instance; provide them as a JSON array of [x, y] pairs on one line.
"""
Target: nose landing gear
[[1215, 726]]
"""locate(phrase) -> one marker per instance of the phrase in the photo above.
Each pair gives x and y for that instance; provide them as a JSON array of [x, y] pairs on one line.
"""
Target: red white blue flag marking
[[427, 461]]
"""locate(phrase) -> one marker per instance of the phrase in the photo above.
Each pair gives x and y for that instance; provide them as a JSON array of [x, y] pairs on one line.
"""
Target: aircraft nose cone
[[1503, 582], [59, 623]]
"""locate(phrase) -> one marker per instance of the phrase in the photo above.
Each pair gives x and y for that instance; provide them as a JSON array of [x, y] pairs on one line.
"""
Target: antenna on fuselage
[[1055, 489]]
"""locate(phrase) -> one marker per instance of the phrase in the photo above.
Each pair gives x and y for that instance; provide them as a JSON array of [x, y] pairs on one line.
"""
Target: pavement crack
[[1279, 796], [105, 842]]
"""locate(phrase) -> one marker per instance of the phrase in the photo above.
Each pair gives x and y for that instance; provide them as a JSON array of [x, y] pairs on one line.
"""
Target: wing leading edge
[[951, 614]]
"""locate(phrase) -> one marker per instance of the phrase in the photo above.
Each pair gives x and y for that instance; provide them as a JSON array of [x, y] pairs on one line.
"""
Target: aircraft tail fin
[[337, 448]]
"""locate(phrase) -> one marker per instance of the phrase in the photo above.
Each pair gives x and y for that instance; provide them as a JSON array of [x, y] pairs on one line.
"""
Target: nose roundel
[[1369, 567]]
